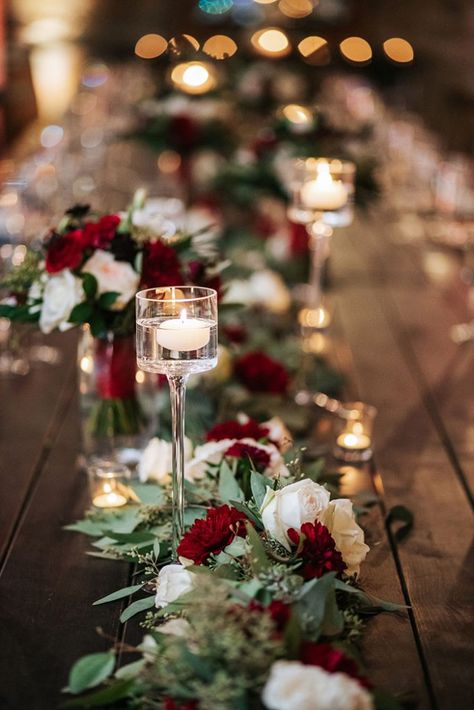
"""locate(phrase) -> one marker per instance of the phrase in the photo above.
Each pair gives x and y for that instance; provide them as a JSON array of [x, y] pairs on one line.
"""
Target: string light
[[296, 8], [356, 49], [193, 77], [219, 47], [314, 50], [398, 50], [271, 42], [150, 46], [184, 42]]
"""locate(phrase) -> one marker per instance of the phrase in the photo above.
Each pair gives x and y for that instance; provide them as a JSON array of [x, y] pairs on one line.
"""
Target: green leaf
[[107, 696], [149, 493], [137, 607], [400, 514], [259, 561], [229, 489], [249, 513], [258, 484], [119, 594], [90, 671], [368, 600], [108, 299], [97, 323], [293, 635], [131, 670], [89, 284], [82, 313], [318, 607], [131, 538]]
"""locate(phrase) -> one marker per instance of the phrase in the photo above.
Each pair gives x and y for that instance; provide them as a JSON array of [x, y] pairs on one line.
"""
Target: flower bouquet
[[86, 273]]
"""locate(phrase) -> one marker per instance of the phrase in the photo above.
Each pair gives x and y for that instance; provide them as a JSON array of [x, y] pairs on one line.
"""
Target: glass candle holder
[[108, 483], [177, 337], [354, 433]]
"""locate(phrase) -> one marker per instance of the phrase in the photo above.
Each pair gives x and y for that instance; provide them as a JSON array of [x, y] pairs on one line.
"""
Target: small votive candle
[[108, 483], [354, 437]]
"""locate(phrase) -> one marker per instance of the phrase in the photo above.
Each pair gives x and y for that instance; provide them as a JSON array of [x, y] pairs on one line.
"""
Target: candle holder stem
[[177, 385], [319, 240]]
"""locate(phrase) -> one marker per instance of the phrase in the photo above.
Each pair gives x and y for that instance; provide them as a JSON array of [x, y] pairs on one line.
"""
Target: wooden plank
[[416, 470], [29, 408], [48, 584]]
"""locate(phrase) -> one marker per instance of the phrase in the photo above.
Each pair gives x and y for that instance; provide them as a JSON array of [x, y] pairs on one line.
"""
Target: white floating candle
[[108, 498], [324, 193], [184, 334], [353, 441]]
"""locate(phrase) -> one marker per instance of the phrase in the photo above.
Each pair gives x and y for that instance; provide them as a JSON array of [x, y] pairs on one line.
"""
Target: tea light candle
[[109, 498], [324, 193], [184, 334], [353, 441]]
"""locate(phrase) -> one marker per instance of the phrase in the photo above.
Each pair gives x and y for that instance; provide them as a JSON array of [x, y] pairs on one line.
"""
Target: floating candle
[[184, 334], [324, 193], [108, 498], [353, 441]]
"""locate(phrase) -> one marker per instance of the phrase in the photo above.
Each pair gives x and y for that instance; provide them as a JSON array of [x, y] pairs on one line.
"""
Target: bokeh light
[[264, 2], [51, 136], [315, 50], [220, 47], [193, 77], [356, 49], [168, 161], [295, 113], [296, 8], [150, 46], [399, 50], [271, 42], [215, 7], [183, 43]]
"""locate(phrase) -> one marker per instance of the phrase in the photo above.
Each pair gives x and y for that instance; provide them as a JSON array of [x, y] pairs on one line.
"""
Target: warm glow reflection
[[297, 114], [150, 46], [356, 49], [168, 161], [219, 47], [55, 72], [315, 50], [398, 50], [296, 8], [193, 77], [314, 317], [271, 42]]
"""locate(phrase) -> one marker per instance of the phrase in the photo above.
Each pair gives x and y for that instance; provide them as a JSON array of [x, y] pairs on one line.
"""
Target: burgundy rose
[[184, 133], [260, 373], [247, 452], [319, 554], [161, 266], [235, 333], [234, 429], [64, 251], [333, 660], [211, 535], [99, 234]]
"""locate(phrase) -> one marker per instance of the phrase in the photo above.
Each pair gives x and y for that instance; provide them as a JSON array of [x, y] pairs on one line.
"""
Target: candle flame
[[107, 488]]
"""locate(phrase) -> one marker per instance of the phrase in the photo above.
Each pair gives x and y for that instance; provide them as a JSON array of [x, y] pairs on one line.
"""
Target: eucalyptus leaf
[[258, 484], [318, 607], [258, 557], [368, 600], [107, 696], [90, 671], [131, 670], [137, 607], [149, 493], [119, 594], [229, 489]]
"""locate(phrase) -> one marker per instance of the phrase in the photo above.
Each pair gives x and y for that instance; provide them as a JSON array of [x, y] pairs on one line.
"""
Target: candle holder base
[[352, 455]]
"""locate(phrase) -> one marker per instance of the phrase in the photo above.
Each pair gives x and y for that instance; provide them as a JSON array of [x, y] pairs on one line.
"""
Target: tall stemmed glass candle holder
[[322, 198], [176, 337]]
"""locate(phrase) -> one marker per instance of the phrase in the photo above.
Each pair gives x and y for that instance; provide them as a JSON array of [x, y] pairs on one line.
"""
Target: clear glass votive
[[323, 190], [354, 433], [108, 483]]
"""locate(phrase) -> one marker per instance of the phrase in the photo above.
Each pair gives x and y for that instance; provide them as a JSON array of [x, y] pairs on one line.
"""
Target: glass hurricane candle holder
[[108, 483], [354, 433], [177, 337]]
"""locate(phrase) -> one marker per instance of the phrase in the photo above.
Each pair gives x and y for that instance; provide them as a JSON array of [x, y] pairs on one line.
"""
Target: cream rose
[[61, 293], [156, 461], [172, 582], [292, 685], [291, 507], [113, 275], [340, 520]]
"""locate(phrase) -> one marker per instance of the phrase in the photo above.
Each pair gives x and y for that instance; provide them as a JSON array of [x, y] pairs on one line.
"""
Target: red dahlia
[[234, 429], [64, 252], [259, 457], [319, 554], [260, 373], [212, 534], [161, 266], [332, 660]]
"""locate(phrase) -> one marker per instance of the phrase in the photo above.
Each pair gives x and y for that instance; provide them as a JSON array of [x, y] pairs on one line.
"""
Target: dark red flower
[[184, 133], [172, 704], [259, 457], [212, 534], [99, 234], [299, 240], [234, 429], [199, 276], [260, 373], [161, 266], [235, 333], [333, 660], [278, 610], [319, 553], [116, 367], [64, 251], [265, 143]]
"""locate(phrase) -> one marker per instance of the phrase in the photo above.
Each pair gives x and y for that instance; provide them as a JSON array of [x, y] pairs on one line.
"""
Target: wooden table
[[392, 340]]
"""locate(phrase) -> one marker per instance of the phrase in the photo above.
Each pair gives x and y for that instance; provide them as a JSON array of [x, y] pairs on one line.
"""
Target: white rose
[[156, 461], [279, 433], [172, 582], [291, 507], [113, 275], [269, 290], [61, 293], [340, 520], [159, 216], [212, 452], [294, 685]]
